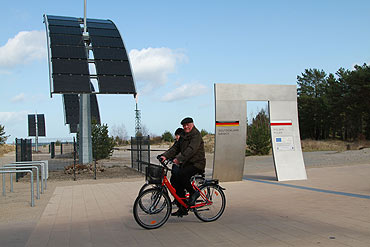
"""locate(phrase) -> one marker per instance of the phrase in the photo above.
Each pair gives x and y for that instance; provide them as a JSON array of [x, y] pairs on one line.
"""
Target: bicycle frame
[[172, 190]]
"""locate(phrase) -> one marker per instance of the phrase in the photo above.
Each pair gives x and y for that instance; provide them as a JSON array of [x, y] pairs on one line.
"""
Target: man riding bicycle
[[188, 152]]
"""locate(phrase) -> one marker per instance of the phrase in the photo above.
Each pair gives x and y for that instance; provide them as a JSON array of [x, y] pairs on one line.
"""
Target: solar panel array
[[71, 104], [32, 125], [40, 125], [69, 60]]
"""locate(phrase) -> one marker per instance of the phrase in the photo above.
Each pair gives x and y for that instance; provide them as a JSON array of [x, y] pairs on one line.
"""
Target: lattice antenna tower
[[137, 118]]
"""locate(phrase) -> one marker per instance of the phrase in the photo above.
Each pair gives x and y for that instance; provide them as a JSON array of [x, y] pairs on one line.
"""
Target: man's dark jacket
[[189, 150]]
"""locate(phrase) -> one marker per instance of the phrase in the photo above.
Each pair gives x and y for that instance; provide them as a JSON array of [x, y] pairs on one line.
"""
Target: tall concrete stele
[[231, 130]]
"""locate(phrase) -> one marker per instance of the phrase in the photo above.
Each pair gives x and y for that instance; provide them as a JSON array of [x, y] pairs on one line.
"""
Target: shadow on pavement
[[260, 177]]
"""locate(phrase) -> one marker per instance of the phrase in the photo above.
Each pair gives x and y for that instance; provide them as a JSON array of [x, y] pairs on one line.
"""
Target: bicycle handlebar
[[165, 163]]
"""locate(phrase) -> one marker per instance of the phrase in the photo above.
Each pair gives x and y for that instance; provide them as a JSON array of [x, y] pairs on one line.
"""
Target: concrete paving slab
[[259, 212]]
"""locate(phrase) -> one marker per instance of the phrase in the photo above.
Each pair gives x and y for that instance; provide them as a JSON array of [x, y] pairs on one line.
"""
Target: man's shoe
[[180, 212], [193, 198]]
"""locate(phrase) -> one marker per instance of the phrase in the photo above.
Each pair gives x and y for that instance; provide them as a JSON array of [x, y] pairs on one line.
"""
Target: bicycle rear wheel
[[214, 199], [152, 208]]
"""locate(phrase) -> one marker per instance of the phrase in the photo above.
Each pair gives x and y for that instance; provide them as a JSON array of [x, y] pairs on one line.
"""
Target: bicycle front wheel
[[152, 208], [147, 186], [214, 202]]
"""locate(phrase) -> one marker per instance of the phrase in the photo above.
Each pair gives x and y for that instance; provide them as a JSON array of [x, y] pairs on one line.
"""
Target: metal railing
[[19, 171], [7, 168], [44, 165]]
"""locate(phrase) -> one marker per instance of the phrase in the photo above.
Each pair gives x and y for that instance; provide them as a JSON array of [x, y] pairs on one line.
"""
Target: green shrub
[[3, 137], [203, 132], [102, 144], [258, 134], [167, 136]]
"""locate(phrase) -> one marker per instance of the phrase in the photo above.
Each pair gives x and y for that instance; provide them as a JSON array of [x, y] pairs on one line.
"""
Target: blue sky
[[178, 50]]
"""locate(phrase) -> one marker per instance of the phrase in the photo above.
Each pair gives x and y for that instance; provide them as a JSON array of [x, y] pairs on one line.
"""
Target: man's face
[[177, 137], [188, 127]]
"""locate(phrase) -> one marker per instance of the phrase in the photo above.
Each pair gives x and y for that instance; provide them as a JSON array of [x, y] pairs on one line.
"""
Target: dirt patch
[[109, 172], [333, 145]]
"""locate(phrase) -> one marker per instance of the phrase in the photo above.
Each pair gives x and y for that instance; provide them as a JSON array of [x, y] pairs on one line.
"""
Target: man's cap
[[186, 120], [179, 131]]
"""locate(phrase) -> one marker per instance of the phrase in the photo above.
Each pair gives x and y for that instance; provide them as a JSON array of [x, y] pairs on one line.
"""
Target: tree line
[[334, 105]]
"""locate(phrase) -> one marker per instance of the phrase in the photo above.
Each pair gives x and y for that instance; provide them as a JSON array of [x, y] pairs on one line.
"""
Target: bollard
[[95, 169]]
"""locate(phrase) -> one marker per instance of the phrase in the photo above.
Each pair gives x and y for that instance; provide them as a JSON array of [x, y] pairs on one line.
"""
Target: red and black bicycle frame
[[172, 190]]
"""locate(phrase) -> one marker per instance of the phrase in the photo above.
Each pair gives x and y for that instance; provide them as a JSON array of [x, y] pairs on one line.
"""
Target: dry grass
[[307, 145], [209, 143], [5, 148], [333, 145]]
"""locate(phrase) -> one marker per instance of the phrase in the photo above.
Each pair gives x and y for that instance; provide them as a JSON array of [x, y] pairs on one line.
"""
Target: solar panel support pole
[[37, 134], [85, 130], [85, 28]]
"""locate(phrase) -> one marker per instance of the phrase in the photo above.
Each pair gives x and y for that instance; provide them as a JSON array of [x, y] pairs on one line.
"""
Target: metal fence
[[23, 152], [62, 149], [140, 152]]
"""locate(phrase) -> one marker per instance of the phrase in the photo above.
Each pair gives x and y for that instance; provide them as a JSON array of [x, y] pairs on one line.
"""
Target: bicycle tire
[[214, 211], [162, 205], [146, 186], [146, 211]]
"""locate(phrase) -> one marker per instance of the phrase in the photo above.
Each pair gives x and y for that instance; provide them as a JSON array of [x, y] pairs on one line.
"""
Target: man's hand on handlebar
[[176, 161], [161, 158]]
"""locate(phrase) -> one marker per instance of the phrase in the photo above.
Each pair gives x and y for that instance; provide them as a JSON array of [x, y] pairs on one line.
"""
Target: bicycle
[[153, 206], [199, 179]]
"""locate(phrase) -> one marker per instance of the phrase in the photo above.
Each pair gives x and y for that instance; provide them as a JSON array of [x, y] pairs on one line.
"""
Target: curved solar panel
[[69, 59], [71, 103], [73, 128], [111, 60], [67, 55]]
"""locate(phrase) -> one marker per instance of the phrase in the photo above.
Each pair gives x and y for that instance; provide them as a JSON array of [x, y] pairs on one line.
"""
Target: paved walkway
[[331, 208]]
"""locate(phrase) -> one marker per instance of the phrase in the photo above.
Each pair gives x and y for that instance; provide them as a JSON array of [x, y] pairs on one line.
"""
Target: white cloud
[[13, 117], [25, 47], [18, 98], [185, 91], [152, 65]]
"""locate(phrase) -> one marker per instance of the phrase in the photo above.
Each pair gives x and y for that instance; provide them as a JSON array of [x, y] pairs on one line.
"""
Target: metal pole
[[26, 167], [32, 200], [74, 159], [85, 4], [3, 184], [11, 182], [44, 170], [95, 169], [25, 171], [37, 134]]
